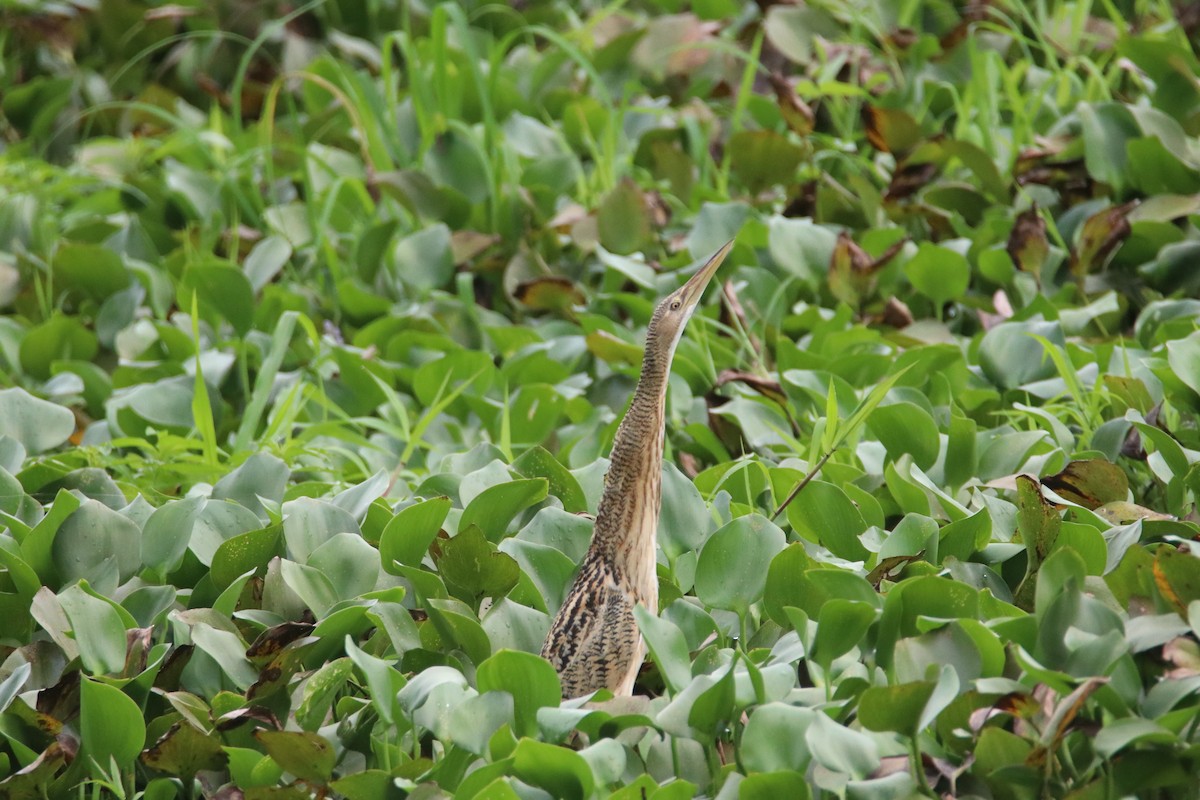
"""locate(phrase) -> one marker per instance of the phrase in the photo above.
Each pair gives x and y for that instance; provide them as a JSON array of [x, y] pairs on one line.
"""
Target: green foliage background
[[319, 321]]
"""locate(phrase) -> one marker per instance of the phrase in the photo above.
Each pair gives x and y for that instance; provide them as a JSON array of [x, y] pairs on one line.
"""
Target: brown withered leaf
[[1184, 653], [889, 567], [240, 716], [896, 313], [1121, 513], [466, 245], [892, 130], [852, 271], [34, 779], [550, 293], [1099, 237], [1090, 482], [796, 113], [169, 675], [1039, 523], [1027, 243], [276, 638], [908, 179], [1177, 576], [183, 751]]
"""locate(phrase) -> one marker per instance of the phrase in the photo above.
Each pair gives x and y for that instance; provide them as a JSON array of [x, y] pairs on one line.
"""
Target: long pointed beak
[[694, 288]]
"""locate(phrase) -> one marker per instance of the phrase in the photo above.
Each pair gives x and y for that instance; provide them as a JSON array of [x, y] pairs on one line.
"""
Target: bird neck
[[627, 520]]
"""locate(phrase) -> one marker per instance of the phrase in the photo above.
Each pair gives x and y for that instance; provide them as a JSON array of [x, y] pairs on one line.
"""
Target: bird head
[[673, 313]]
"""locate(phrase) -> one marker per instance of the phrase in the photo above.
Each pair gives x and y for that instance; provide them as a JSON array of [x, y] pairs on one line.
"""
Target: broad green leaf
[[494, 508], [732, 570], [110, 726], [37, 424], [407, 537], [306, 755], [530, 680]]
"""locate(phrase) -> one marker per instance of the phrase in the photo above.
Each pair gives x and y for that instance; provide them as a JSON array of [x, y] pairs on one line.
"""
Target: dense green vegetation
[[318, 322]]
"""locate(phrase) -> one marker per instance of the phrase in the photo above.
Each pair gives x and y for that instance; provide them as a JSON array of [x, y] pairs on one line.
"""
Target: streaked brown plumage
[[594, 642]]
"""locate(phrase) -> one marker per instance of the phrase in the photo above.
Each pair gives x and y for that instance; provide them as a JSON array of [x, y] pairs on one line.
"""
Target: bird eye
[[676, 305]]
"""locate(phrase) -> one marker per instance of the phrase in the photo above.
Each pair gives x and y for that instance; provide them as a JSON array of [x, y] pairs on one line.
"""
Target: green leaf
[[907, 428], [37, 424], [306, 755], [110, 726], [939, 273], [623, 220], [245, 552], [824, 514], [530, 680], [537, 462], [763, 158], [1011, 358], [472, 562], [561, 772], [667, 646], [774, 738], [167, 532], [92, 270], [841, 625], [98, 630], [90, 537], [732, 569], [222, 291], [406, 539], [59, 338], [495, 507]]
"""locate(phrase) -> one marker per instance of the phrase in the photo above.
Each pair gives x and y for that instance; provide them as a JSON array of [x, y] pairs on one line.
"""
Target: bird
[[594, 642]]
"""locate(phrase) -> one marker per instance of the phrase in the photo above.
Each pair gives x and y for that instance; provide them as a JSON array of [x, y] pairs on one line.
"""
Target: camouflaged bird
[[594, 642]]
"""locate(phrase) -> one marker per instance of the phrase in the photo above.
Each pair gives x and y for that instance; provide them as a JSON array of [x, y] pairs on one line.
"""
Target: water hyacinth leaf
[[530, 680], [537, 462], [1177, 576], [423, 259], [561, 772], [261, 475], [59, 338], [784, 585], [98, 630], [185, 750], [167, 532], [822, 513], [37, 424], [906, 428], [1039, 523], [1090, 482], [1010, 357], [622, 220], [90, 270], [731, 572], [494, 508], [463, 371], [471, 562], [774, 738], [92, 535], [222, 291], [110, 724], [763, 158], [939, 273], [667, 646], [841, 749], [304, 754], [243, 553], [841, 625], [407, 537]]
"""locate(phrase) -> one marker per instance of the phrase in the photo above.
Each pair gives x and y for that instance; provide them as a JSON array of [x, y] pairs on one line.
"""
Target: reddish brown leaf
[[1099, 237], [796, 113], [1027, 243], [551, 293]]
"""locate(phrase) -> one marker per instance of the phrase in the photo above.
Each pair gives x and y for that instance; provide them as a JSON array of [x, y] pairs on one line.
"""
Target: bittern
[[594, 642]]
